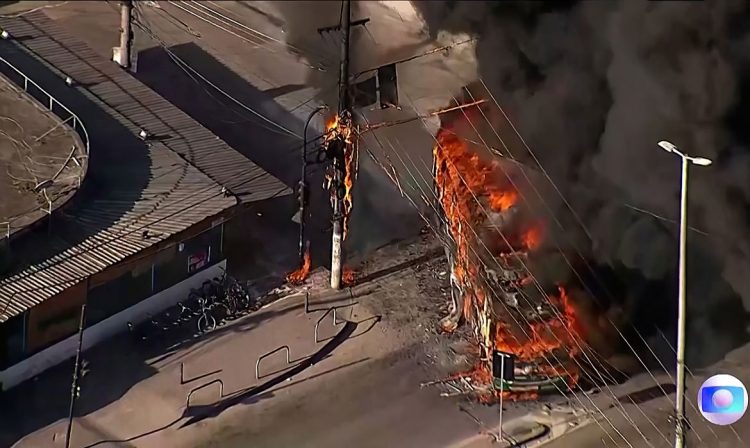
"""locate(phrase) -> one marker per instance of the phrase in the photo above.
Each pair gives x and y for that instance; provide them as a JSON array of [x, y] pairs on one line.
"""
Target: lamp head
[[669, 147], [702, 161]]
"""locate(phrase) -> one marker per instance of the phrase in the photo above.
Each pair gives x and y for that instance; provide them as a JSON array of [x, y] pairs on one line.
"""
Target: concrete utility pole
[[339, 163], [122, 54], [680, 426]]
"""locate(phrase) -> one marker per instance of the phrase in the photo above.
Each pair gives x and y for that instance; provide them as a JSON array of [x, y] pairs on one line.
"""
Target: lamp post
[[303, 185], [679, 435]]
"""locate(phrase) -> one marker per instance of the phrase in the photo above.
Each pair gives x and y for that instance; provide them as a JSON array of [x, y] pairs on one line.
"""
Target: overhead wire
[[593, 273], [521, 327], [189, 72], [295, 49], [180, 62], [543, 293], [196, 9]]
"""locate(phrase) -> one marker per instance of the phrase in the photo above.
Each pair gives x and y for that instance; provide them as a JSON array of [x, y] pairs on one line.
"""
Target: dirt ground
[[26, 160]]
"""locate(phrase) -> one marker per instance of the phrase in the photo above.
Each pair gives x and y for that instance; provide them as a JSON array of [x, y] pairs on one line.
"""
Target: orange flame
[[463, 180], [297, 277], [532, 238], [348, 276], [338, 128]]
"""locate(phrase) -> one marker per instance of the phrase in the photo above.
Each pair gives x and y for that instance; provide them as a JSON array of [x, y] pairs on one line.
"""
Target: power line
[[540, 289], [622, 336], [182, 63], [297, 50], [521, 327], [570, 265]]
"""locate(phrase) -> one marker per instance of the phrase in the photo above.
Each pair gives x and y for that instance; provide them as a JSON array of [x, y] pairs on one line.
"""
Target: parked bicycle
[[212, 304]]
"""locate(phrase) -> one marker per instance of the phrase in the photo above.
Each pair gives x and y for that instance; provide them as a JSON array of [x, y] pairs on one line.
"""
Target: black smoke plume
[[592, 87]]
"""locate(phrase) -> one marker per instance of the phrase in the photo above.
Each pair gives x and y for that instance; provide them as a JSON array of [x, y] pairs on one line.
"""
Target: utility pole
[[339, 162], [122, 53], [76, 371], [338, 148]]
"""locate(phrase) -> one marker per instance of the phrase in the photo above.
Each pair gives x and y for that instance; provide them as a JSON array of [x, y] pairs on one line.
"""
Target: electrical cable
[[187, 69], [622, 336], [517, 323], [151, 34], [510, 313], [195, 9], [295, 49]]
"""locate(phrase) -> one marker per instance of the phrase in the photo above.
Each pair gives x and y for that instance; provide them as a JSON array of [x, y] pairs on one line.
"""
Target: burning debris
[[300, 275], [490, 242], [349, 276]]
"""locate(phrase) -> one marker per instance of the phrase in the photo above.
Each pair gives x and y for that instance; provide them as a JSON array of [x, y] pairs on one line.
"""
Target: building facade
[[129, 291]]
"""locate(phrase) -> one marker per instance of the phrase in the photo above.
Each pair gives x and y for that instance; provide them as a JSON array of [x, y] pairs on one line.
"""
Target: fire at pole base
[[490, 240]]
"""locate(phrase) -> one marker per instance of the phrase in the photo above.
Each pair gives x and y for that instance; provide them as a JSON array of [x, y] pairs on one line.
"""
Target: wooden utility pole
[[122, 54], [339, 162]]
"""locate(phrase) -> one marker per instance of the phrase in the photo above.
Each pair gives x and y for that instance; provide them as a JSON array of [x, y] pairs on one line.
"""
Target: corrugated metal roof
[[131, 187], [144, 108]]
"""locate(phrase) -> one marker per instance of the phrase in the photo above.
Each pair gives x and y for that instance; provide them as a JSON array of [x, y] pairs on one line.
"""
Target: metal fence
[[46, 100]]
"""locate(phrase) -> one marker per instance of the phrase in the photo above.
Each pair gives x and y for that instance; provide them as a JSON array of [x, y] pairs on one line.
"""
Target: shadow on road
[[200, 413], [115, 365]]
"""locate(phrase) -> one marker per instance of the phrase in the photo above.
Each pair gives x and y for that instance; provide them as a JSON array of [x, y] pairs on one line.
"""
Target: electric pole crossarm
[[328, 29]]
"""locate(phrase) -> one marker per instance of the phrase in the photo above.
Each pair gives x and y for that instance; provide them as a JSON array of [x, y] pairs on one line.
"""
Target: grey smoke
[[380, 214], [592, 86]]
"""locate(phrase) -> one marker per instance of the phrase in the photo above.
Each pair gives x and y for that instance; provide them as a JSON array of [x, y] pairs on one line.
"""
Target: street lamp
[[679, 435], [303, 185]]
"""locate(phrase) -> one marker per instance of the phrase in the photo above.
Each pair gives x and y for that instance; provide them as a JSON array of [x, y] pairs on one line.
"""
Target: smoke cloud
[[380, 215], [592, 87]]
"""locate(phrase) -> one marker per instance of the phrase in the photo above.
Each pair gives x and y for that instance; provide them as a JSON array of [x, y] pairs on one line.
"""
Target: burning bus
[[526, 329]]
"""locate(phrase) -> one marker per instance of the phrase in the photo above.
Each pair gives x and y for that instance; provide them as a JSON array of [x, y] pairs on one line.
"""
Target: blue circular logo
[[722, 399]]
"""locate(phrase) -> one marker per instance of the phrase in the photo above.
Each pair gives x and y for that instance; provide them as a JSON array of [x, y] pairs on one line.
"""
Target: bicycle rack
[[335, 323], [190, 394], [266, 355]]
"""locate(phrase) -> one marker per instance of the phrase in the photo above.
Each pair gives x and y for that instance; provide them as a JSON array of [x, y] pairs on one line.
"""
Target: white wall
[[117, 323]]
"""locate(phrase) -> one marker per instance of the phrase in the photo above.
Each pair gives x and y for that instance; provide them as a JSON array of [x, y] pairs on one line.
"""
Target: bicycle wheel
[[220, 313], [206, 323]]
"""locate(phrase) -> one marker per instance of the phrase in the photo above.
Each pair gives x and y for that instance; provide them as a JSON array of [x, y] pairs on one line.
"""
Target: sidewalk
[[365, 393], [151, 396]]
